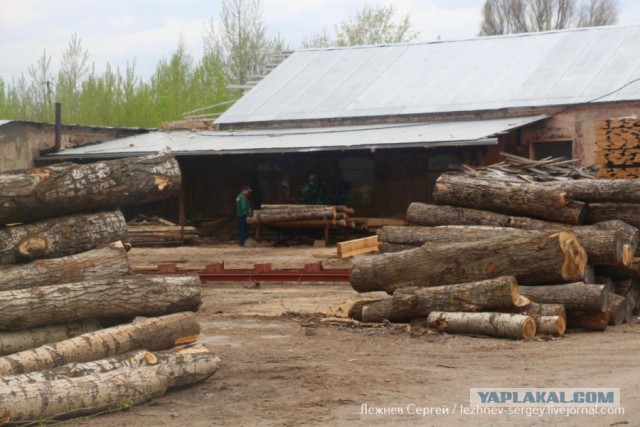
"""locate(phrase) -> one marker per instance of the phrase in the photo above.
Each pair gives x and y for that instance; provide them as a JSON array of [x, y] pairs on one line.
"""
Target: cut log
[[67, 188], [550, 257], [599, 190], [157, 333], [419, 235], [603, 246], [617, 309], [496, 294], [137, 295], [435, 215], [574, 296], [61, 236], [103, 391], [394, 247], [280, 215], [627, 212], [535, 309], [630, 234], [338, 208], [588, 321], [13, 342], [501, 325], [109, 261], [515, 198], [550, 325]]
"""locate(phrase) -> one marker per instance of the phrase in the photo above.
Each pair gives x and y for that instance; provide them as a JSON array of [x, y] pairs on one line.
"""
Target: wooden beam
[[358, 246]]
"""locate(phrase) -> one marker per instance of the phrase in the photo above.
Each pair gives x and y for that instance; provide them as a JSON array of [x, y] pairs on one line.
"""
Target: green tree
[[523, 16], [41, 88], [370, 26], [73, 70]]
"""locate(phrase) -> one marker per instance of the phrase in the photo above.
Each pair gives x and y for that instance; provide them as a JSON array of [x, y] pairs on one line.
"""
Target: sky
[[118, 32]]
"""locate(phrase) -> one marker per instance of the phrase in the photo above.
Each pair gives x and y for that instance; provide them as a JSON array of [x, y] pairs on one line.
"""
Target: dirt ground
[[283, 364]]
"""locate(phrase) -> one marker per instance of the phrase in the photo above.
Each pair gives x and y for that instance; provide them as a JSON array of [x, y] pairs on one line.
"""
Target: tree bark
[[630, 234], [500, 293], [13, 342], [501, 325], [38, 193], [435, 215], [513, 198], [550, 325], [107, 262], [156, 333], [338, 208], [551, 257], [599, 190], [137, 295], [588, 321], [282, 215], [617, 309], [603, 246], [627, 212], [101, 391], [575, 296], [60, 236], [535, 309]]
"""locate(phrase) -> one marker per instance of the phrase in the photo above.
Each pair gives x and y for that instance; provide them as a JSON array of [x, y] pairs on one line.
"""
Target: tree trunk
[[66, 188], [156, 333], [282, 215], [501, 325], [550, 325], [103, 391], [435, 215], [515, 198], [599, 190], [61, 236], [630, 234], [588, 321], [603, 247], [535, 309], [308, 223], [107, 262], [338, 208], [627, 212], [419, 235], [13, 342], [138, 295], [575, 296], [394, 247], [552, 257], [500, 293], [617, 309]]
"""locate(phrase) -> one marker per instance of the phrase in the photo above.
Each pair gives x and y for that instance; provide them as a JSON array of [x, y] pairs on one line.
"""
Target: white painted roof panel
[[484, 73], [427, 135]]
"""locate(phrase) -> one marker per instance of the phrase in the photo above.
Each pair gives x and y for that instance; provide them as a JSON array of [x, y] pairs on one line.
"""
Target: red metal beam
[[216, 272]]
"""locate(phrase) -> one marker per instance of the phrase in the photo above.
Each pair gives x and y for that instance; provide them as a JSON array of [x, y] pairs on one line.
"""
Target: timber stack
[[153, 231], [512, 250], [79, 333], [303, 217], [618, 148]]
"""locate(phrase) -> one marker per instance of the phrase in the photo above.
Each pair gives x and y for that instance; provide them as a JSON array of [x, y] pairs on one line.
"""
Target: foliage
[[370, 26], [523, 16]]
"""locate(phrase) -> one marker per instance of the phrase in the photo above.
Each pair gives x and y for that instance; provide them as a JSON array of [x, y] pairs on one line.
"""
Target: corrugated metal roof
[[484, 73], [436, 134]]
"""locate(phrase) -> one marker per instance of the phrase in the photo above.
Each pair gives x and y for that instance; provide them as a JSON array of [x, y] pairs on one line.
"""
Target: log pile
[[80, 334], [154, 231], [303, 217], [618, 148], [516, 238]]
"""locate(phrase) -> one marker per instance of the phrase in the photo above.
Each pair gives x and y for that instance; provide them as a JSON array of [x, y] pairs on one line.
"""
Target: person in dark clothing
[[243, 210]]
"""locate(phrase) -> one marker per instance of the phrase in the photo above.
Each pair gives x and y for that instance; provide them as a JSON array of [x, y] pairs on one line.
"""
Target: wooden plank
[[358, 246]]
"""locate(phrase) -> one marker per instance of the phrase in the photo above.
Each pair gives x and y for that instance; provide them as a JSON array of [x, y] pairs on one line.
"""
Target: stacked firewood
[[498, 242], [79, 334], [303, 217], [618, 148], [153, 231]]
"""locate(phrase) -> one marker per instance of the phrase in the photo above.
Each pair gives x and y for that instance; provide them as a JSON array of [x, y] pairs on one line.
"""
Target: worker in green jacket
[[243, 210]]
